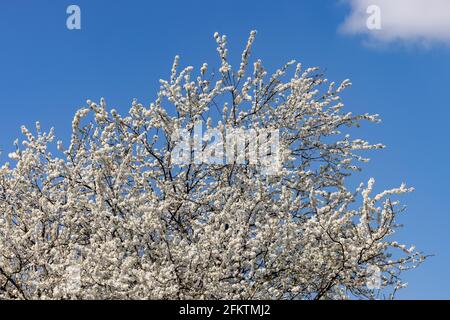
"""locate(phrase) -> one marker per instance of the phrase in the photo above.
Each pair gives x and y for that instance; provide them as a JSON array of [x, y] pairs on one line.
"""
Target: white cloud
[[411, 21]]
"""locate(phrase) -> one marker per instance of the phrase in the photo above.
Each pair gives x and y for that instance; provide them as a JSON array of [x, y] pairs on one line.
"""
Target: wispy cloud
[[412, 21]]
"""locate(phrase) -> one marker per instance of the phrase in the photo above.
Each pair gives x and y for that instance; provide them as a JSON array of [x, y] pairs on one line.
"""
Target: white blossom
[[115, 210]]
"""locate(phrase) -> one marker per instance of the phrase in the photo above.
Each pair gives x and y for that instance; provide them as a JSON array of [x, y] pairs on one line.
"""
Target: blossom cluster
[[111, 216]]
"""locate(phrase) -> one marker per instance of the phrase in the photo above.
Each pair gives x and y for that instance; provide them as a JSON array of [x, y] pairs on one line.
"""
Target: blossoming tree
[[112, 216]]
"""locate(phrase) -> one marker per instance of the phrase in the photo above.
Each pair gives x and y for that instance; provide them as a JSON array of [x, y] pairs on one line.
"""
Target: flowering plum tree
[[112, 216]]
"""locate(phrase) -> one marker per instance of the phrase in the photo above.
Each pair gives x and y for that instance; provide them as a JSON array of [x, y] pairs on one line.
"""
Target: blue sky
[[124, 47]]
